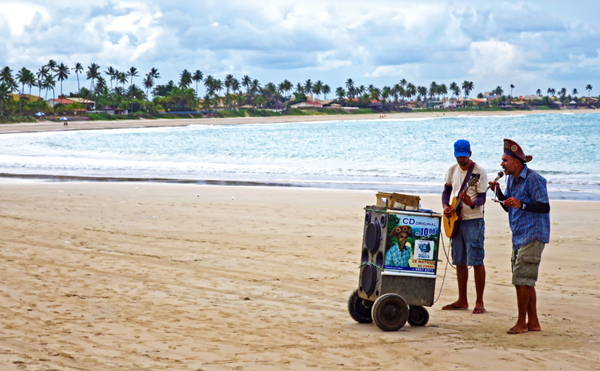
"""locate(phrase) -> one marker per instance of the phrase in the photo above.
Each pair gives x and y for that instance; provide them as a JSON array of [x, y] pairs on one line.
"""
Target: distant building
[[29, 97], [54, 102], [307, 105]]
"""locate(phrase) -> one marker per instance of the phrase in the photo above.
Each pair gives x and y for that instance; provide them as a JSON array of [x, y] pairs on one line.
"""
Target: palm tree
[[539, 92], [197, 77], [112, 73], [511, 89], [185, 79], [589, 89], [247, 82], [563, 91], [78, 69], [154, 73], [148, 83], [133, 72], [287, 86], [443, 90], [228, 82], [575, 92], [41, 77], [318, 87], [422, 91], [326, 90], [350, 87], [433, 89], [468, 87], [308, 85], [299, 89], [22, 78], [411, 90], [52, 65], [122, 78], [455, 89], [235, 85], [63, 74], [499, 90], [101, 85], [92, 74], [254, 86], [4, 94], [49, 83], [209, 84], [6, 75], [340, 93]]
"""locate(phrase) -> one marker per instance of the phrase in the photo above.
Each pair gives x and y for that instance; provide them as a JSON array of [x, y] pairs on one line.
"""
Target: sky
[[533, 44]]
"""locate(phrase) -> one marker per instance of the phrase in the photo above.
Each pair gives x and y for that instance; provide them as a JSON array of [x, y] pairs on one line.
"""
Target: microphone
[[500, 175]]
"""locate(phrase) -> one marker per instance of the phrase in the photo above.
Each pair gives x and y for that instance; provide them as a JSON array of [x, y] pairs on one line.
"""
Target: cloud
[[536, 42], [386, 71]]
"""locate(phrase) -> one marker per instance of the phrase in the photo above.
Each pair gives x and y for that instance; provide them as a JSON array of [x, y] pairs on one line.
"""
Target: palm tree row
[[246, 89]]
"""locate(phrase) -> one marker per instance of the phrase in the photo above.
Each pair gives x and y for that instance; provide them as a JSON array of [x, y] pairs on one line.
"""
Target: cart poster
[[412, 243]]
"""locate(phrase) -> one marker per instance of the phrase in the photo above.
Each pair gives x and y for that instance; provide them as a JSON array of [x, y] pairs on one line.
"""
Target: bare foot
[[457, 305], [518, 329], [534, 327], [478, 310]]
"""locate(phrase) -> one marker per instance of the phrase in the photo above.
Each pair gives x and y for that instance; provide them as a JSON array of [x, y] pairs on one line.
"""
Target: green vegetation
[[231, 97]]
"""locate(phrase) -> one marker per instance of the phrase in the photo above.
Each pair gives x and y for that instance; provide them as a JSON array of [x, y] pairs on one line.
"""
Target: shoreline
[[558, 195], [144, 123]]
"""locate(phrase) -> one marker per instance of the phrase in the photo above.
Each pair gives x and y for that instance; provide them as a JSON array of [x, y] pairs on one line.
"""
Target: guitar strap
[[468, 176]]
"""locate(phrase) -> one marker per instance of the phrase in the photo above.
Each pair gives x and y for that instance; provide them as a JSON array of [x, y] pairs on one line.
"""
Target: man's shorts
[[525, 263], [467, 245]]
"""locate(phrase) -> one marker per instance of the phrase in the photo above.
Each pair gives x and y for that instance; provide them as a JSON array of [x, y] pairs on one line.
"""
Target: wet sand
[[147, 276]]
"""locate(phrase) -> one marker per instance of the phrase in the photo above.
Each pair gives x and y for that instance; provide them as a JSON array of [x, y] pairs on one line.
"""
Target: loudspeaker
[[373, 254]]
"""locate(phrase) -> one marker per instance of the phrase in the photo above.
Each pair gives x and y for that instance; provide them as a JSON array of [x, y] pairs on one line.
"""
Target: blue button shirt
[[397, 258], [526, 226]]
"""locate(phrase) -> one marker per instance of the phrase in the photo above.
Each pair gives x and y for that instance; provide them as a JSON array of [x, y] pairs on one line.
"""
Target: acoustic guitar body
[[451, 223]]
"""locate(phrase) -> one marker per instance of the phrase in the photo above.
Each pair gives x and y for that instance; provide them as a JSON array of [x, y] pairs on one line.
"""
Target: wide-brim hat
[[402, 229], [513, 149]]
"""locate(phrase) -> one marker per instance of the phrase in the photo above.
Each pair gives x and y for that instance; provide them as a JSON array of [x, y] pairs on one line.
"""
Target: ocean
[[400, 155]]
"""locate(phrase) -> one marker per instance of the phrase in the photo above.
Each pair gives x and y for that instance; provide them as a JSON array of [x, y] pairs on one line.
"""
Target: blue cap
[[462, 148]]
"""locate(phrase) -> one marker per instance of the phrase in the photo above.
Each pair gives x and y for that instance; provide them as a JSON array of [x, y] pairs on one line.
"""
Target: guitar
[[451, 222]]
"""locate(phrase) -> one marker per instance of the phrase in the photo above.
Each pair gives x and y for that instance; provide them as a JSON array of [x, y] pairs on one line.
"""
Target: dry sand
[[103, 276], [121, 124]]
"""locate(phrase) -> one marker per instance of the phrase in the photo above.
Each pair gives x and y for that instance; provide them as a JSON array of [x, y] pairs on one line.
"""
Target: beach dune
[[148, 276]]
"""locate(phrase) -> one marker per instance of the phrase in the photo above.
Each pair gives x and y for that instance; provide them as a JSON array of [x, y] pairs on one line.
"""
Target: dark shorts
[[525, 263], [467, 245]]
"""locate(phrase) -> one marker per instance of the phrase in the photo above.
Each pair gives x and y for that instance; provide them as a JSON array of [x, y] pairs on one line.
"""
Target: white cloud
[[494, 57], [386, 71]]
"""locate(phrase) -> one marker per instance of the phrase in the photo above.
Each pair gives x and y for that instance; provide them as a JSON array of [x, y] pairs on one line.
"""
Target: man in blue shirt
[[528, 207]]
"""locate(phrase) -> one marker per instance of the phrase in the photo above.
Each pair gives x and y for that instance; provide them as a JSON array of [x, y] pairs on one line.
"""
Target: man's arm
[[446, 195]]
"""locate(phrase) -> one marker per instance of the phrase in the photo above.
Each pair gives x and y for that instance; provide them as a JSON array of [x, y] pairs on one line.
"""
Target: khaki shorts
[[526, 263]]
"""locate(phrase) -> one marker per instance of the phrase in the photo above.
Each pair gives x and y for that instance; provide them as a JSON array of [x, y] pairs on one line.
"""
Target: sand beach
[[126, 124], [149, 276]]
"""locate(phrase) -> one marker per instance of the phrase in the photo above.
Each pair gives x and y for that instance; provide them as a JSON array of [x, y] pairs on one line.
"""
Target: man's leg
[[462, 276], [533, 323], [479, 288], [523, 301]]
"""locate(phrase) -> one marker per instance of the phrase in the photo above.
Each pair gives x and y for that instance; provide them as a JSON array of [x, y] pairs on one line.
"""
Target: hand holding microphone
[[494, 184]]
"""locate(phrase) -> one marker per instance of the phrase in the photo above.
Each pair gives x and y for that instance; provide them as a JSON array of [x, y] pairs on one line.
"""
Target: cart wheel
[[358, 311], [390, 312], [418, 316]]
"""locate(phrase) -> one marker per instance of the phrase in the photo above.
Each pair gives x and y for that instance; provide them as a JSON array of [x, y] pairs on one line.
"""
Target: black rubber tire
[[390, 312], [358, 311], [418, 316]]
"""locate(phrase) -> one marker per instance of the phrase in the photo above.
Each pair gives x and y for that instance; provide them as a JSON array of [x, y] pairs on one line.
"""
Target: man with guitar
[[466, 185], [528, 207]]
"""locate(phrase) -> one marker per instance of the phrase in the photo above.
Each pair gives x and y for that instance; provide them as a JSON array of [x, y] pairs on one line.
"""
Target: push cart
[[398, 268]]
